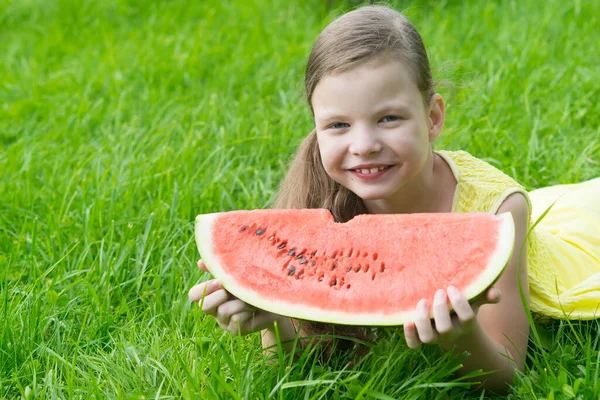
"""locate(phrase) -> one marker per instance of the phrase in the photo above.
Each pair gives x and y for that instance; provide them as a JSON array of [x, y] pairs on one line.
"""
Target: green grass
[[122, 120]]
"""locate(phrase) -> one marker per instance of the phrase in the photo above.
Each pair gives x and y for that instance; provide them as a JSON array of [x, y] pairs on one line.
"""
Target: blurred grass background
[[121, 120]]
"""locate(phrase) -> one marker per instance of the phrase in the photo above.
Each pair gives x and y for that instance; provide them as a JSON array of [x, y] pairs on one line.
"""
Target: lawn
[[122, 120]]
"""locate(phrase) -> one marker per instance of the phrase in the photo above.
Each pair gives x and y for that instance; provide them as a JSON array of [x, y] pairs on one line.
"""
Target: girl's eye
[[339, 125], [390, 118]]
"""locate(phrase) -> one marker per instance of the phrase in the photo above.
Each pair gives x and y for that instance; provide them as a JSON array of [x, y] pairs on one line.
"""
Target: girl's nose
[[365, 142]]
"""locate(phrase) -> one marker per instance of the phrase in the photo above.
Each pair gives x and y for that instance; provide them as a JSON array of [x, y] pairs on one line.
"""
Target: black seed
[[303, 261], [299, 256], [313, 263], [291, 252], [349, 268], [243, 228], [334, 266], [291, 270], [281, 246], [260, 232]]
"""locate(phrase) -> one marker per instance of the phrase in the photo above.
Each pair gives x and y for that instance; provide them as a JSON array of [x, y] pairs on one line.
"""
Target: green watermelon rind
[[489, 275]]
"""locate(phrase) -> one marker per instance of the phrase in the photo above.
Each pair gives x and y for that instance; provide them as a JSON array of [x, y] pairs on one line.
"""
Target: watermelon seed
[[348, 286], [260, 232], [303, 261], [333, 281], [334, 266], [334, 255], [291, 252], [382, 267], [349, 268], [357, 269], [299, 256], [373, 277], [281, 246], [313, 263], [243, 228], [291, 270], [272, 238], [321, 275], [366, 267], [375, 255], [300, 274], [350, 254]]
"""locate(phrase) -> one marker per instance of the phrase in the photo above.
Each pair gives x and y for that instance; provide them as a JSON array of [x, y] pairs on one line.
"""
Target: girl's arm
[[495, 335], [499, 341]]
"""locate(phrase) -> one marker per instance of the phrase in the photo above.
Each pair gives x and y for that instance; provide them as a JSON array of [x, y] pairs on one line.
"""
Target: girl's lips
[[371, 173]]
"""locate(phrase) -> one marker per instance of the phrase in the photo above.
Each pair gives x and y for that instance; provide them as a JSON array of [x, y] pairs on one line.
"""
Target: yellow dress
[[563, 249]]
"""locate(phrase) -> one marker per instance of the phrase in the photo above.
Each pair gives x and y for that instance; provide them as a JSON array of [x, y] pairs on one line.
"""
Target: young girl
[[377, 115]]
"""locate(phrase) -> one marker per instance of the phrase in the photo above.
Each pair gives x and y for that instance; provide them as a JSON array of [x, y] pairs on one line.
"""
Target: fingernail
[[452, 290], [422, 304], [440, 294]]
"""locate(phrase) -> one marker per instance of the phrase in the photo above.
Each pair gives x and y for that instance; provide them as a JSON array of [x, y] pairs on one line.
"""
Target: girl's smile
[[370, 171]]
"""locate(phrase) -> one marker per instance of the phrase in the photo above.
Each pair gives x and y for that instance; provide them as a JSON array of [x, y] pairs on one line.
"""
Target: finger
[[204, 289], [423, 323], [491, 296], [211, 302], [441, 313], [238, 322], [230, 308], [202, 266], [257, 322], [460, 304], [411, 336]]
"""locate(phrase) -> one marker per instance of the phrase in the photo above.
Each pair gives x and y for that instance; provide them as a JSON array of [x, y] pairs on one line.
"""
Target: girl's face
[[373, 128]]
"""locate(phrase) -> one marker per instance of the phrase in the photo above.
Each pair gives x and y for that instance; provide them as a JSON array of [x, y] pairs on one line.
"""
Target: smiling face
[[374, 129]]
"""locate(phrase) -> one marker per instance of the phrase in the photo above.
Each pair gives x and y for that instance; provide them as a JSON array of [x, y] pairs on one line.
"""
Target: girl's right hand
[[231, 313]]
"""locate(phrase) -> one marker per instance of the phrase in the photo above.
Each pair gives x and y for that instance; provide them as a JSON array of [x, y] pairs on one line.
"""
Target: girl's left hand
[[446, 327]]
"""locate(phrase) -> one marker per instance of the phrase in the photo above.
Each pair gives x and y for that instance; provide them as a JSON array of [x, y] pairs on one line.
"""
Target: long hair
[[355, 38]]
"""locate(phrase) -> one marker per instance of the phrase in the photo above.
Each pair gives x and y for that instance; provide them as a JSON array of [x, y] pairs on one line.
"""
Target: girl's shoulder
[[481, 187]]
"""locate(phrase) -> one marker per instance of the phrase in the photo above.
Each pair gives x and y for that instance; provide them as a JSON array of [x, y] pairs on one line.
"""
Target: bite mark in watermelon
[[371, 270]]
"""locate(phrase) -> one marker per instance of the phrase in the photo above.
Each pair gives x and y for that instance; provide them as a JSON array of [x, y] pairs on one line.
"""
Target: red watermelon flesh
[[371, 270]]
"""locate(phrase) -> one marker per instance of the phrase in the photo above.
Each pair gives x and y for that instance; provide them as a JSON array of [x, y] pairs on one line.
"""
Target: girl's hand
[[446, 327], [231, 313]]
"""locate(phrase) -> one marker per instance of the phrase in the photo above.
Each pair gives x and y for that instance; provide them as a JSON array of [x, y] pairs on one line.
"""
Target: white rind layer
[[203, 235], [498, 260]]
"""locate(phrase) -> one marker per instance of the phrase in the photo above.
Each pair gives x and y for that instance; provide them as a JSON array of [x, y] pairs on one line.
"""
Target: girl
[[377, 115]]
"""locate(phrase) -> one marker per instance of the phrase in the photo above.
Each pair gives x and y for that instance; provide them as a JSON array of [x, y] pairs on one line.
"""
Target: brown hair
[[353, 39]]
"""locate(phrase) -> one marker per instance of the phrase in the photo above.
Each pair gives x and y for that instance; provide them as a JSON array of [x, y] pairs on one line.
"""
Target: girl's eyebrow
[[330, 117], [397, 108]]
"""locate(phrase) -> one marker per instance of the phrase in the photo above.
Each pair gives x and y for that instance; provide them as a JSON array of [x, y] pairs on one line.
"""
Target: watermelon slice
[[371, 270]]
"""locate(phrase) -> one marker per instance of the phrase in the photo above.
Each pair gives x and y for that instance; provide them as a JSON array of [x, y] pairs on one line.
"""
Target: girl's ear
[[436, 117]]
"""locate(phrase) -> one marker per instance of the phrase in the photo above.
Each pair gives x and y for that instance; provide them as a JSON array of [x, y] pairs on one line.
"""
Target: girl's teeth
[[365, 171]]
